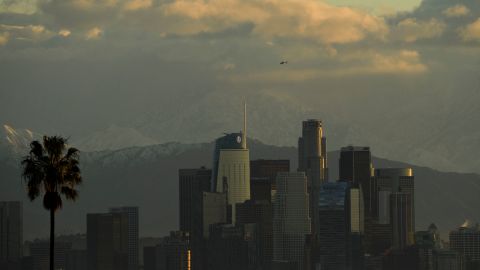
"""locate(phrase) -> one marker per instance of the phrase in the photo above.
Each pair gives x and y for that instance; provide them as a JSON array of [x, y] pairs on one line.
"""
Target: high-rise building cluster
[[263, 215], [260, 214]]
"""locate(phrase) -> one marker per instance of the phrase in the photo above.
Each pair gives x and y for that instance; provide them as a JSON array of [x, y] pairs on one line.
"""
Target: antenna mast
[[244, 133]]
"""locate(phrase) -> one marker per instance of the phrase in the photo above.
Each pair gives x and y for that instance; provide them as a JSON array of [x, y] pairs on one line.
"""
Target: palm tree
[[52, 170]]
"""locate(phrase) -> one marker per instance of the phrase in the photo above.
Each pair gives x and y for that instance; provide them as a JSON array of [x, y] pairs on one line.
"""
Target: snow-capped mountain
[[148, 177], [113, 138], [437, 138]]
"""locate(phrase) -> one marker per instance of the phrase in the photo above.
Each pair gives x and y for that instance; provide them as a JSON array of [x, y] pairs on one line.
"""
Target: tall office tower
[[385, 183], [291, 221], [231, 171], [199, 209], [355, 228], [401, 217], [11, 234], [312, 159], [40, 253], [132, 238], [263, 173], [466, 241], [232, 247], [355, 167], [173, 253], [259, 213], [193, 182], [332, 229], [107, 241]]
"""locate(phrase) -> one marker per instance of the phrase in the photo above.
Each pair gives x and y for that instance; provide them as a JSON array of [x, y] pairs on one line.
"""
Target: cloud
[[18, 6], [411, 30], [137, 4], [87, 4], [300, 19], [32, 33], [93, 33], [64, 32], [4, 38], [471, 32], [456, 11], [403, 62]]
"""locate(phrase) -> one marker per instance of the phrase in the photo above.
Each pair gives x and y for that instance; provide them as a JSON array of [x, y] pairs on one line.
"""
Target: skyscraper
[[231, 171], [401, 218], [259, 213], [199, 208], [11, 233], [355, 164], [192, 184], [263, 173], [355, 229], [291, 221], [132, 238], [312, 152], [355, 167], [312, 159], [332, 228], [107, 241], [391, 185], [386, 181]]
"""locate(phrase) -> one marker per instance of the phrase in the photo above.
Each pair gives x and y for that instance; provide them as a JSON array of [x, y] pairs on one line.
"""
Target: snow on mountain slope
[[113, 138]]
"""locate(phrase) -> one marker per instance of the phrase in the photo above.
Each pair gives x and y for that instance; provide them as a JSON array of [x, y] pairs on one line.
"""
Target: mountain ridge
[[148, 177]]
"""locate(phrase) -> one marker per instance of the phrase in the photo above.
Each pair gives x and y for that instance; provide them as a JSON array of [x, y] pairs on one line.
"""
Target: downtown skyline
[[361, 116]]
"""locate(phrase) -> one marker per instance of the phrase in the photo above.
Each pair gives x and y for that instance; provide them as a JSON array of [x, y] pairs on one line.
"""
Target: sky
[[382, 73]]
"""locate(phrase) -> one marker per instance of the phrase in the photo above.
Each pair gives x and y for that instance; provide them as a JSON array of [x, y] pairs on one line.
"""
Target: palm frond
[[36, 149], [54, 146], [70, 193]]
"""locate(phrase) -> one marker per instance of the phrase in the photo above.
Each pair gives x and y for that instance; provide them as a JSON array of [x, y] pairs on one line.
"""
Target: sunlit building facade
[[312, 160], [231, 168]]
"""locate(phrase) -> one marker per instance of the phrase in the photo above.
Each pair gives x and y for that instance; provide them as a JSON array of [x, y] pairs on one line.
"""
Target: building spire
[[244, 132]]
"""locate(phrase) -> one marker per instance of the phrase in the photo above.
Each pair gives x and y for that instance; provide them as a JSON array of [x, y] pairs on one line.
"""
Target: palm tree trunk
[[52, 239]]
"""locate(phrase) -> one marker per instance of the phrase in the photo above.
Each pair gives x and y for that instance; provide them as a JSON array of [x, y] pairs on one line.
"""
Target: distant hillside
[[148, 176]]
